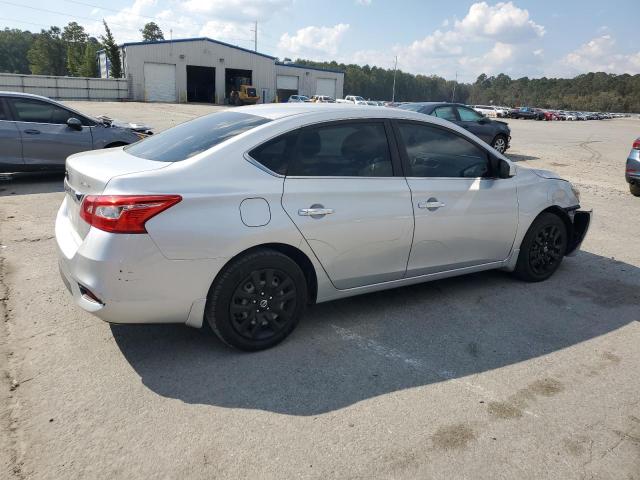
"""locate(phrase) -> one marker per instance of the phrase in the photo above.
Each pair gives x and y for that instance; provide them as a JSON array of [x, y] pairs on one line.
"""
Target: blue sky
[[533, 38]]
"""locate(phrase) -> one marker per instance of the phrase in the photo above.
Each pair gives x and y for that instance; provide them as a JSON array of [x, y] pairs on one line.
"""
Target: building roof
[[198, 39], [307, 67]]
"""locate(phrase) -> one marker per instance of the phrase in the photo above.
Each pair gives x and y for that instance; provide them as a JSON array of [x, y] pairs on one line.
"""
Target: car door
[[477, 124], [10, 141], [463, 216], [46, 137], [341, 193]]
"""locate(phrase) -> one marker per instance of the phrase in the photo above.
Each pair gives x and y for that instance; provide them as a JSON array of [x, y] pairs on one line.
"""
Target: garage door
[[326, 86], [287, 82], [159, 82]]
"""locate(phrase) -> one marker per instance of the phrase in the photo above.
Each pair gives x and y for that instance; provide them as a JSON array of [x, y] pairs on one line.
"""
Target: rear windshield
[[190, 138]]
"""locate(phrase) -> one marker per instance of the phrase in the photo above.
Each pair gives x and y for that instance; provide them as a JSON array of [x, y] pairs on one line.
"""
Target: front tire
[[634, 189], [542, 248], [257, 301], [500, 143]]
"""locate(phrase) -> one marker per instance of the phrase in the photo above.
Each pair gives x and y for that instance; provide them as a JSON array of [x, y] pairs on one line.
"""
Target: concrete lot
[[475, 377]]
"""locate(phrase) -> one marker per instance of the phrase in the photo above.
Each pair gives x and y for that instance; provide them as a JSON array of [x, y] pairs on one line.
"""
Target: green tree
[[89, 66], [76, 39], [14, 45], [151, 32], [112, 50], [47, 55]]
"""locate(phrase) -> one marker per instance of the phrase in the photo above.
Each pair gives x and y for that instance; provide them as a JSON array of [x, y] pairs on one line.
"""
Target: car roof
[[6, 93], [276, 111]]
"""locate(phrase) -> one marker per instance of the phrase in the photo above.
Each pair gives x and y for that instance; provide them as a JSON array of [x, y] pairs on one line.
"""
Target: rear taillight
[[124, 213], [636, 144]]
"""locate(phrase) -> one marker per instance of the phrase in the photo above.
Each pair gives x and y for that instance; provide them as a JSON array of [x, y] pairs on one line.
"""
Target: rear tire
[[542, 248], [257, 300], [634, 189]]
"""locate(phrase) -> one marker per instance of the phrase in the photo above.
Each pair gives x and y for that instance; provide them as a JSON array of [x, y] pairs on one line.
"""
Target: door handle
[[431, 204], [32, 131], [315, 211]]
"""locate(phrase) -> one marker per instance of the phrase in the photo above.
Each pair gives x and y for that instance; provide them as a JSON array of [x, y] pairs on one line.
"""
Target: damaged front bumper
[[581, 222]]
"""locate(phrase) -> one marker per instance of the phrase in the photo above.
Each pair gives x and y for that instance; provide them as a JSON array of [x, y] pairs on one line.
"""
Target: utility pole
[[255, 36], [393, 92], [453, 95]]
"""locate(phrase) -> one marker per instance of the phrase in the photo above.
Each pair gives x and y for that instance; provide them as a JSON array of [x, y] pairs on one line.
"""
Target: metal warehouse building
[[206, 70]]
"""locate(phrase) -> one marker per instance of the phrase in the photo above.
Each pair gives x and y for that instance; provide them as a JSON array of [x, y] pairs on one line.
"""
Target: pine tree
[[76, 39], [47, 55], [112, 51], [89, 66]]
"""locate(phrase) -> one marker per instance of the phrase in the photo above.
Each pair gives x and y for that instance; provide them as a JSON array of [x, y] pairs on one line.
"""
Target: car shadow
[[351, 350], [31, 183], [515, 157]]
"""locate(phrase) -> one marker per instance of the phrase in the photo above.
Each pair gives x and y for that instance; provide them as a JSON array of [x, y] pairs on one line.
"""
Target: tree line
[[595, 91], [69, 51]]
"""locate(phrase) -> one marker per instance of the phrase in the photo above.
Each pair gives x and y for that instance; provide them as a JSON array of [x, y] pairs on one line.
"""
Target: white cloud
[[503, 22], [598, 55], [239, 10], [313, 41], [364, 3]]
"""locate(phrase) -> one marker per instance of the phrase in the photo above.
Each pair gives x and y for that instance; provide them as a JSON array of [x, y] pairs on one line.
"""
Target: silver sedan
[[241, 219]]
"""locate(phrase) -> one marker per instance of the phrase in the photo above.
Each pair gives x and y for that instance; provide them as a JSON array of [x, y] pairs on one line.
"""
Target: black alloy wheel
[[542, 248], [263, 304], [547, 250], [257, 300]]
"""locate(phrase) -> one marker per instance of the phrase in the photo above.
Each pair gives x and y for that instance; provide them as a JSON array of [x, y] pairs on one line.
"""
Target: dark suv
[[494, 132]]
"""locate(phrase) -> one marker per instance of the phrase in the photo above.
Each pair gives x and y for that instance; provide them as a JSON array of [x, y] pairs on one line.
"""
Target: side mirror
[[501, 168], [506, 169], [483, 120], [74, 124]]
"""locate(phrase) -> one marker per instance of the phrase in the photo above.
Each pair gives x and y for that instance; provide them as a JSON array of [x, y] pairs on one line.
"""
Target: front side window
[[468, 115], [436, 152], [35, 111], [344, 149], [191, 138], [448, 113]]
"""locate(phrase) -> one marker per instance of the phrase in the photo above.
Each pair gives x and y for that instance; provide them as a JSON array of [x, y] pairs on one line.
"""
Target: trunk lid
[[88, 173]]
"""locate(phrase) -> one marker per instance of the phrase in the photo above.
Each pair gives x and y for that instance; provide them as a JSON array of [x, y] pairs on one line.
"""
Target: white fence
[[67, 88]]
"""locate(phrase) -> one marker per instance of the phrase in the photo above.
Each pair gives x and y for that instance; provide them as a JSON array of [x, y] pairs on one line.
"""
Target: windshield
[[190, 138]]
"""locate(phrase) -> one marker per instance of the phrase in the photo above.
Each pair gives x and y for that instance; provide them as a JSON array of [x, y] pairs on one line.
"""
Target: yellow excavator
[[245, 95]]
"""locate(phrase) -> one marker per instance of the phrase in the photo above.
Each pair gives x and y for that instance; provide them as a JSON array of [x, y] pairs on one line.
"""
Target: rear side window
[[276, 154], [435, 152], [345, 149], [190, 138]]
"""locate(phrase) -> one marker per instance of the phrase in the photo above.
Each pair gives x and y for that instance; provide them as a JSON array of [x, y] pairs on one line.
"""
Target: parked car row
[[313, 99], [531, 113]]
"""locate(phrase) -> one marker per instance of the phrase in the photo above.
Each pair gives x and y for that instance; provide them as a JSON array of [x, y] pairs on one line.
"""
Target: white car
[[357, 99], [486, 110], [242, 218]]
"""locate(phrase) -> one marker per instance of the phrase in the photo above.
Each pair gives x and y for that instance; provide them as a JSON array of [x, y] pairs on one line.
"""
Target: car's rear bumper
[[126, 279], [632, 169], [581, 223]]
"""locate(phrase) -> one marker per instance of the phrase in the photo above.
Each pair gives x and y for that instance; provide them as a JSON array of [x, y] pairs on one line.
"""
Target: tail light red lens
[[124, 213], [636, 144]]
